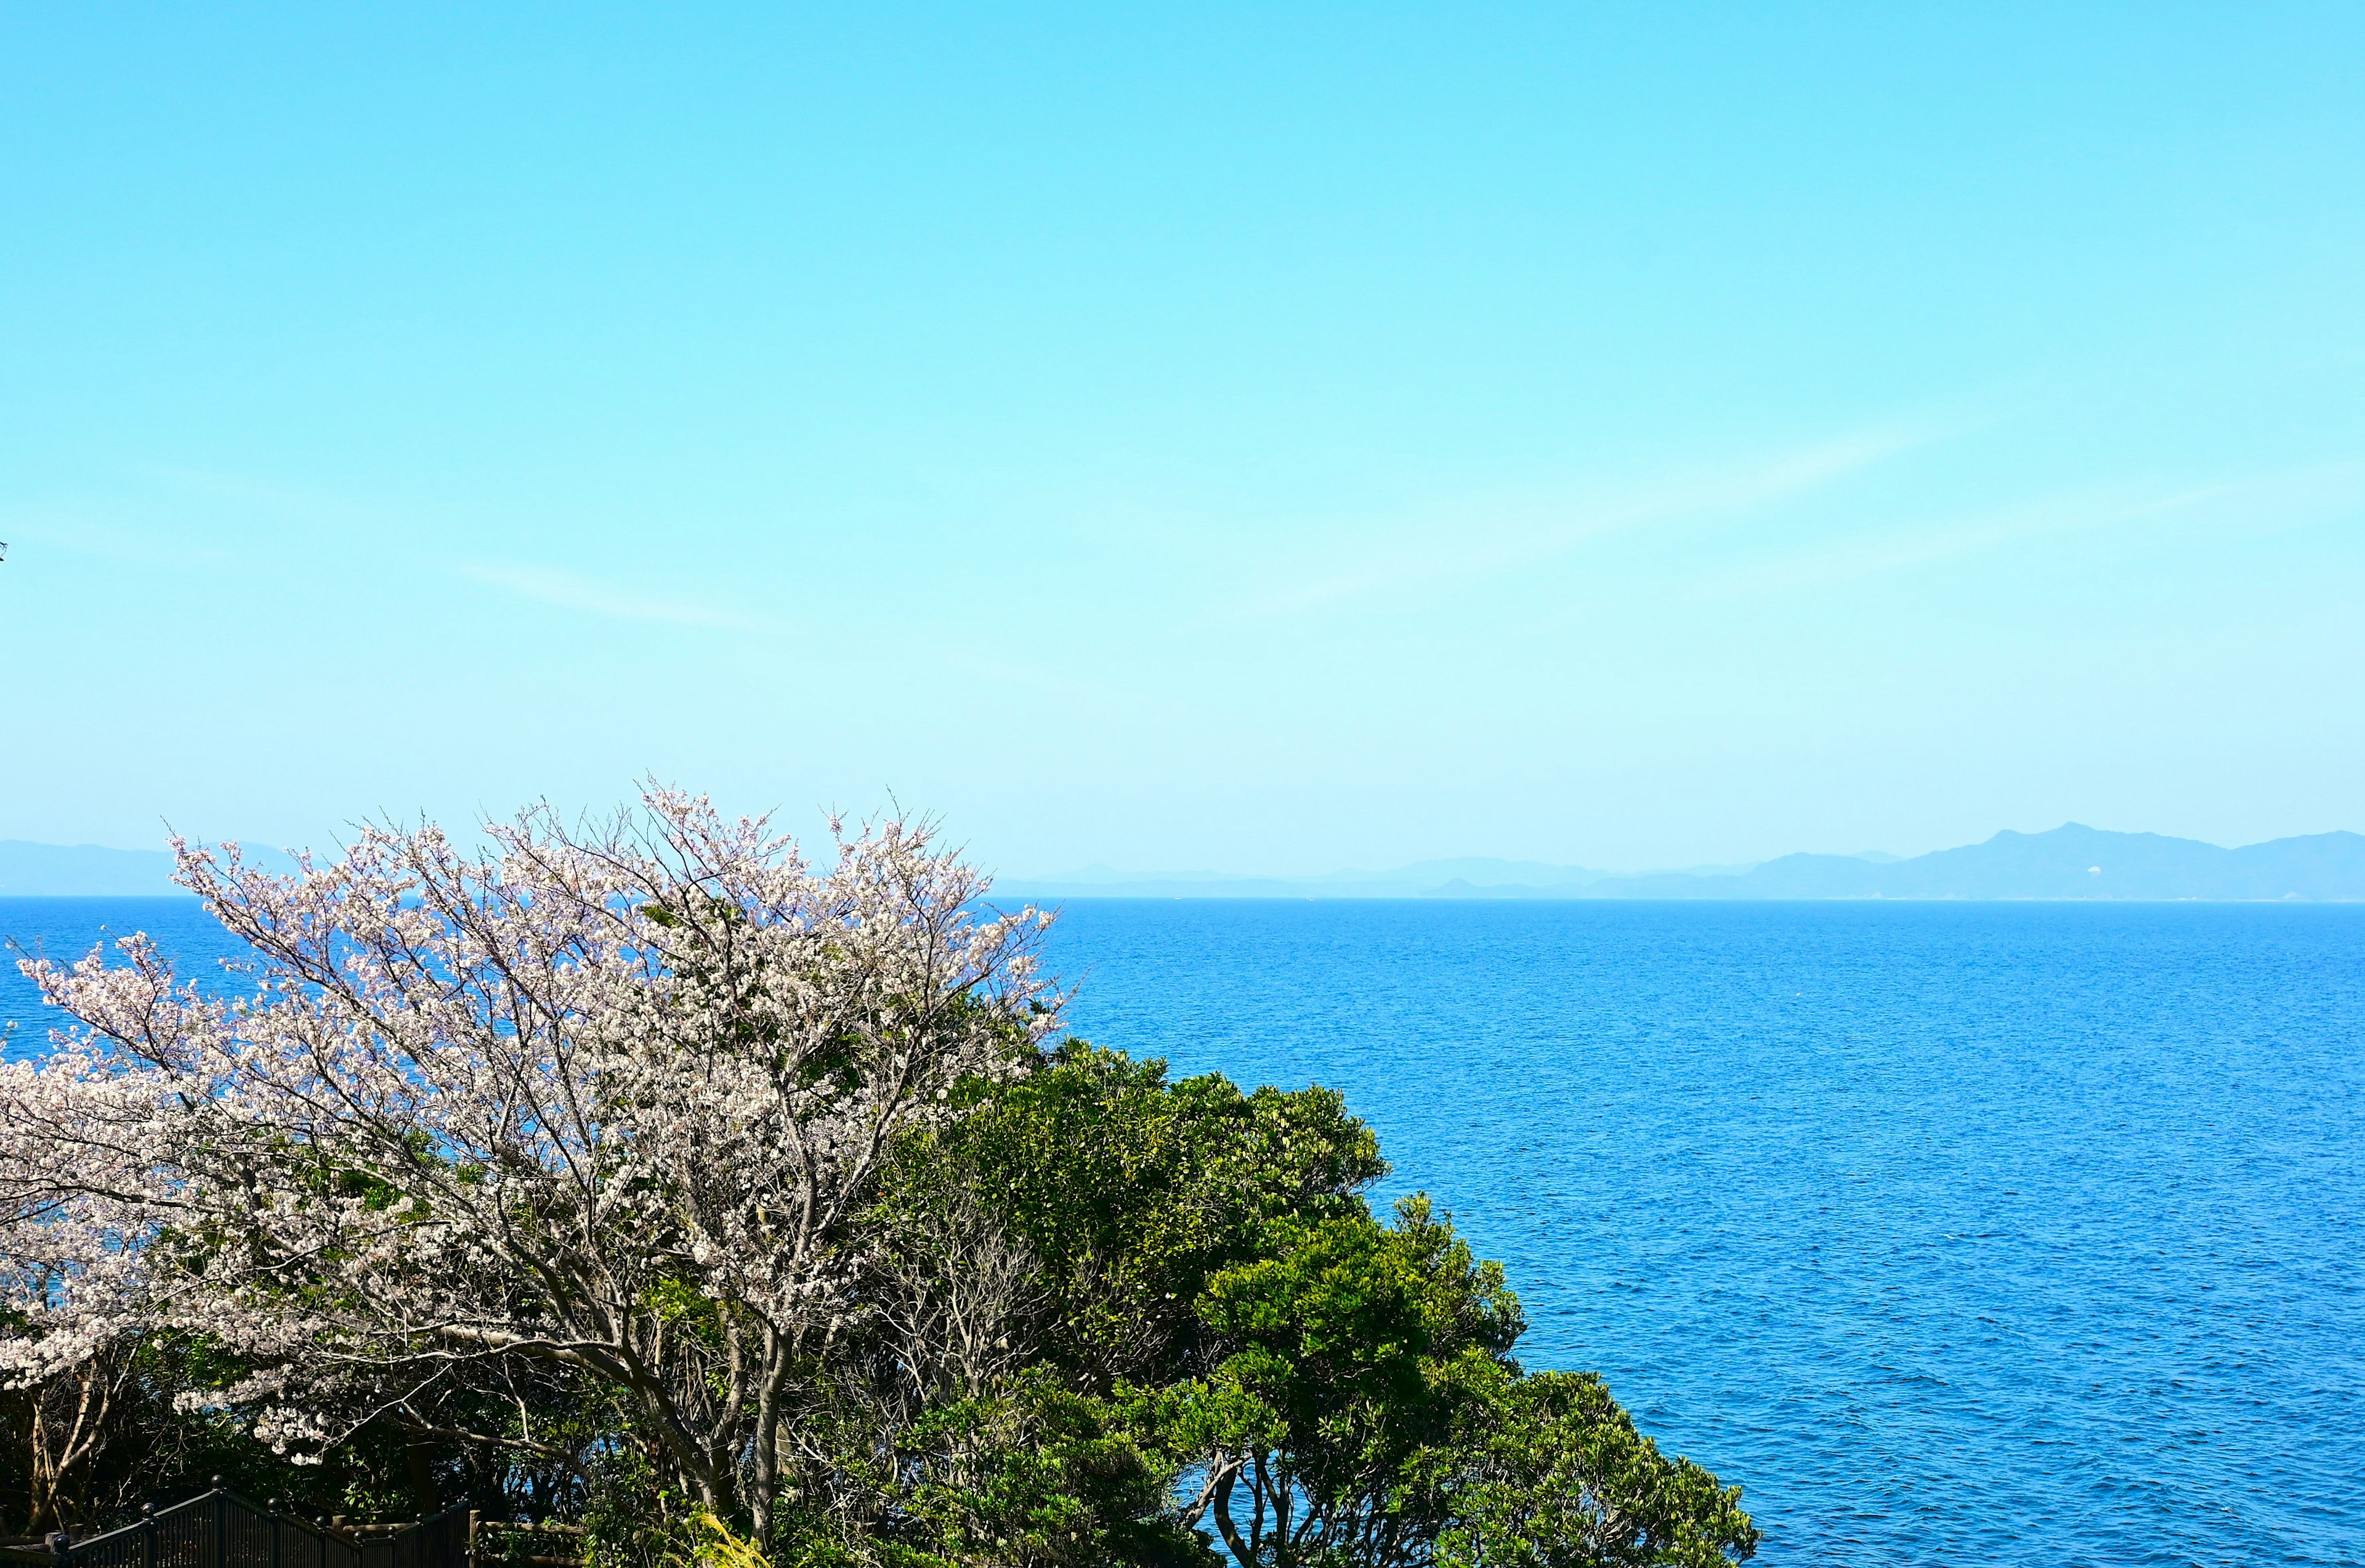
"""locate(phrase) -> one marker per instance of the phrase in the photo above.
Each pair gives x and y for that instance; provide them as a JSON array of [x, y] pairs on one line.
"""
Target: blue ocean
[[1955, 1233]]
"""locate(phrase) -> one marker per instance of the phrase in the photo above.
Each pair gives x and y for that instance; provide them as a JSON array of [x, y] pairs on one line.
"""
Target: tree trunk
[[1231, 1532]]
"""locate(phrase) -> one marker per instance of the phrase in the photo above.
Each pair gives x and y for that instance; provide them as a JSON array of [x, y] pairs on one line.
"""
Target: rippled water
[[1955, 1233], [66, 929], [2018, 1234]]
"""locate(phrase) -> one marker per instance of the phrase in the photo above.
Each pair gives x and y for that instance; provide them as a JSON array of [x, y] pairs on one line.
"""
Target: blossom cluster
[[525, 1103]]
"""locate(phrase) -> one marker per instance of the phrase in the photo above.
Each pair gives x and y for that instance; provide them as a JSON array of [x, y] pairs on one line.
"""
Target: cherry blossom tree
[[77, 1205], [603, 1102]]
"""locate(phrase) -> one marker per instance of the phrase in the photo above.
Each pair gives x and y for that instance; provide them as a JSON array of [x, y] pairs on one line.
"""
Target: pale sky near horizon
[[1263, 439]]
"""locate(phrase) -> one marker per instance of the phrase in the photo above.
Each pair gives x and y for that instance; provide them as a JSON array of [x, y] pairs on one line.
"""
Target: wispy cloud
[[571, 591], [1454, 554], [2255, 504]]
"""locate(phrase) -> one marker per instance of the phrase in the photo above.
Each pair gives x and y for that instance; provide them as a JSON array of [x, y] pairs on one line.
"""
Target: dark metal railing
[[221, 1529]]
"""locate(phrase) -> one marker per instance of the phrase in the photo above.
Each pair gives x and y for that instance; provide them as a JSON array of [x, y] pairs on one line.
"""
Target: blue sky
[[1268, 439]]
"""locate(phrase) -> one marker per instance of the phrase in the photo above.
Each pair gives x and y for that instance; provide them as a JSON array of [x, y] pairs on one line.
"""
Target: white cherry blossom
[[606, 1100]]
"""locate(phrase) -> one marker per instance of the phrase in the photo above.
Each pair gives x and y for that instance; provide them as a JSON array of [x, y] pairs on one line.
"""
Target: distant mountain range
[[2071, 862]]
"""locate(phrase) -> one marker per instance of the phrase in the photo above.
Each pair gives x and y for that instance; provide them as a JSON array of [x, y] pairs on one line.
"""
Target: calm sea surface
[[1964, 1234]]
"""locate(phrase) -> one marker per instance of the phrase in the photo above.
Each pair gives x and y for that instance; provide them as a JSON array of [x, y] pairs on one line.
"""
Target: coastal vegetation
[[644, 1174]]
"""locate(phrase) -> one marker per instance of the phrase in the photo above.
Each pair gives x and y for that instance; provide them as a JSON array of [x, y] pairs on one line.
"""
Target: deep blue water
[[2015, 1234], [66, 929]]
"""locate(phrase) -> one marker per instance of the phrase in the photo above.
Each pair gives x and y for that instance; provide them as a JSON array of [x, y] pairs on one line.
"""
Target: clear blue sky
[[1263, 439]]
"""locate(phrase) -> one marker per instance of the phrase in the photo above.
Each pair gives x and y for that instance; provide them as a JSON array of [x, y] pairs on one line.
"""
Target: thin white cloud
[[571, 591], [1461, 557], [2255, 504]]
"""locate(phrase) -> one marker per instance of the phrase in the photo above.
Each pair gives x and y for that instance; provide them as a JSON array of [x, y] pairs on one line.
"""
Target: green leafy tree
[[1128, 1318], [1358, 1352], [1550, 1470]]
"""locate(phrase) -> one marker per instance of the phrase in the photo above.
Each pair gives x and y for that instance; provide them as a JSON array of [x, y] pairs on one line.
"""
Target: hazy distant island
[[2072, 861]]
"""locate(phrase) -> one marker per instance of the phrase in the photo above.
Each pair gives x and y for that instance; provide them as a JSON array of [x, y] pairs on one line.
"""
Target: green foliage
[[1118, 1319], [1358, 1354], [1221, 1334], [1132, 1193], [1551, 1472], [1041, 1474]]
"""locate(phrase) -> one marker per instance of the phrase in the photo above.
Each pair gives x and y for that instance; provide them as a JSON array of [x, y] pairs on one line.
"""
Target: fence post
[[221, 1523], [147, 1535], [274, 1540]]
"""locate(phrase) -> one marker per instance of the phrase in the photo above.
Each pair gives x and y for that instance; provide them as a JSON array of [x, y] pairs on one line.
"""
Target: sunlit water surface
[[2016, 1234]]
